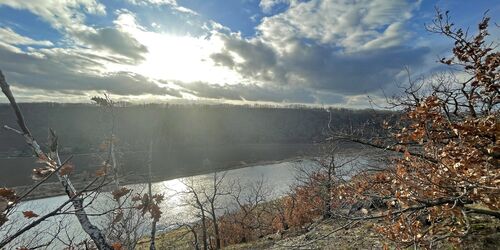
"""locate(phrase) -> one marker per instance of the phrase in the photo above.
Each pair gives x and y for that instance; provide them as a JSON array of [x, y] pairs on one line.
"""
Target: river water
[[277, 180]]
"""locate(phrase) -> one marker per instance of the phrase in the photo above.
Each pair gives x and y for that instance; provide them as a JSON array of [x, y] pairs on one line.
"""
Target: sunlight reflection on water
[[278, 177]]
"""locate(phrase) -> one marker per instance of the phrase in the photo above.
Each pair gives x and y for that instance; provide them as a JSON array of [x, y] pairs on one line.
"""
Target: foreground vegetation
[[322, 235]]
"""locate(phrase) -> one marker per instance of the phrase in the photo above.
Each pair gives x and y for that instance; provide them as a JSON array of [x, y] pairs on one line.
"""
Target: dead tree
[[212, 195], [109, 107], [284, 209], [53, 162], [125, 222], [193, 198], [330, 170], [250, 200], [192, 229], [150, 192], [204, 199]]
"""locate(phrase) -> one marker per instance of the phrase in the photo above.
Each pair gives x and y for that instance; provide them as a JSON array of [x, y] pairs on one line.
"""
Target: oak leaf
[[29, 214]]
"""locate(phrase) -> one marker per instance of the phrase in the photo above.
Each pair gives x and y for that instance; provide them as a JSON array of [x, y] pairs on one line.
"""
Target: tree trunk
[[150, 192], [204, 229], [216, 227], [195, 235], [95, 233]]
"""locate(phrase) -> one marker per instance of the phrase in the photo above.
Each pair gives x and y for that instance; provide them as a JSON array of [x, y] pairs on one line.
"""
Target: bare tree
[[330, 170], [53, 162], [284, 208], [250, 214], [204, 198], [193, 198], [125, 224], [212, 196], [150, 192], [108, 106], [192, 230]]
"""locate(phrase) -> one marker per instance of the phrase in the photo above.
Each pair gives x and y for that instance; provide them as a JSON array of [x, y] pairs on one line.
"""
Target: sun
[[176, 58]]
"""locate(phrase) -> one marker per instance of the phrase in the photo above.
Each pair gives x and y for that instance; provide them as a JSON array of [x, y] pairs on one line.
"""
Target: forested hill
[[82, 127], [185, 136]]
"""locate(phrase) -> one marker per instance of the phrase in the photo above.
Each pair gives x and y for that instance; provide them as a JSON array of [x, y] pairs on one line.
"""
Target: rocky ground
[[485, 234], [323, 235]]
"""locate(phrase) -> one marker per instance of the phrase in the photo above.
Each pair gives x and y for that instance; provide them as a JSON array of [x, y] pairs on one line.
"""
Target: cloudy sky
[[334, 52]]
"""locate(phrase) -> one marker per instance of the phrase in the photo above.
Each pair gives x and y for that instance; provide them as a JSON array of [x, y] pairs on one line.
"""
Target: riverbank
[[334, 234], [170, 163], [81, 178], [51, 189]]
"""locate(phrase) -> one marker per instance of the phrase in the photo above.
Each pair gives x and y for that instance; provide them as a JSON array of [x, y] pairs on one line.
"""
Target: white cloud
[[349, 25], [61, 14], [157, 2], [267, 5], [75, 70], [171, 3], [393, 35], [9, 36], [316, 66], [68, 16], [330, 48], [125, 58], [314, 51]]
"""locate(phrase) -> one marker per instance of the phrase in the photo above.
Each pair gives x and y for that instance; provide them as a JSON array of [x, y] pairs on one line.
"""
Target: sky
[[318, 52]]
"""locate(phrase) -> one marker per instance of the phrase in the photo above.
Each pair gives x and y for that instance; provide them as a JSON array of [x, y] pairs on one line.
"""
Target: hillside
[[188, 139]]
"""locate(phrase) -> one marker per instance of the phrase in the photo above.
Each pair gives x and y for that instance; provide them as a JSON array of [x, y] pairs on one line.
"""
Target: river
[[277, 180]]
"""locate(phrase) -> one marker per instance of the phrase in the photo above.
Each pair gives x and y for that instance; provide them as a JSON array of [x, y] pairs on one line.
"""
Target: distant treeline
[[82, 127]]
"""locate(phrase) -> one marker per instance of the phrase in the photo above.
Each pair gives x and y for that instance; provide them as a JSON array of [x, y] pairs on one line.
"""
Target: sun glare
[[182, 58]]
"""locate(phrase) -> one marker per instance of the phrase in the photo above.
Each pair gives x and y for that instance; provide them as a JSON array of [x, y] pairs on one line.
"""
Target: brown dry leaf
[[66, 169], [136, 197], [29, 214], [386, 246], [42, 159], [117, 246], [101, 172], [158, 198], [155, 212], [407, 155], [3, 205], [8, 194], [118, 193], [40, 173]]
